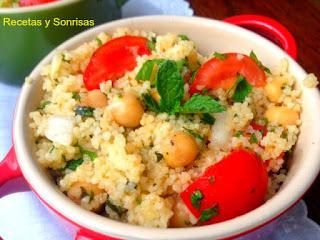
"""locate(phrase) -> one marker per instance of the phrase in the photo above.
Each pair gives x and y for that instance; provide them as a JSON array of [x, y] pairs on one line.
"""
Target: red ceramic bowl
[[209, 35]]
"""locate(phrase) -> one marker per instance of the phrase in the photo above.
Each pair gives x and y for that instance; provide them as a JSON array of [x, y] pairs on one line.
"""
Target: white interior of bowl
[[209, 35]]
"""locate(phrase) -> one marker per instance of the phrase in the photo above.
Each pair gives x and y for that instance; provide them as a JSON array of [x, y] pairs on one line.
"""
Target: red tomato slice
[[235, 185], [217, 73], [25, 3], [113, 59]]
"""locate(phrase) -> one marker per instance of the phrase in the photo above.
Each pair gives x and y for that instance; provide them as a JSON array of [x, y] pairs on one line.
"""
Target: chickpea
[[95, 99], [79, 190], [273, 89], [181, 150], [282, 115], [129, 111], [181, 215]]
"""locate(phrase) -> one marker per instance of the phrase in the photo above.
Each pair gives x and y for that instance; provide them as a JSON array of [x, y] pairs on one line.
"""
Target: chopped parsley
[[242, 89], [220, 56], [196, 198], [254, 57], [209, 213], [183, 37], [253, 138], [84, 111]]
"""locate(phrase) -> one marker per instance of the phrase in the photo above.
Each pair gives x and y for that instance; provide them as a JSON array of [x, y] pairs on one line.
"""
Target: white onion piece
[[60, 129], [221, 132]]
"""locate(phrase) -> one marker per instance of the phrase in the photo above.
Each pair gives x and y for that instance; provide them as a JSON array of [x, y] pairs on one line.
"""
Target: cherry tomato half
[[235, 185], [113, 59], [25, 3], [222, 73]]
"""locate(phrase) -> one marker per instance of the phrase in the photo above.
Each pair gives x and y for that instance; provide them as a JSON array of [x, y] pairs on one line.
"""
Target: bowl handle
[[269, 28], [9, 168]]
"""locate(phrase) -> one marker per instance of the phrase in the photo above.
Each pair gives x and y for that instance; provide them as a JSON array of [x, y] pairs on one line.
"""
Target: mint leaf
[[254, 57], [253, 138], [196, 198], [201, 104], [146, 70], [209, 213], [220, 56], [170, 86], [242, 89], [150, 102], [74, 164], [183, 37]]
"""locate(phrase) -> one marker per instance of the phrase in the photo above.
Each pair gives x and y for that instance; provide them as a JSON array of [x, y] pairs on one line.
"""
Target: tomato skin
[[218, 73], [236, 185], [25, 3], [113, 59]]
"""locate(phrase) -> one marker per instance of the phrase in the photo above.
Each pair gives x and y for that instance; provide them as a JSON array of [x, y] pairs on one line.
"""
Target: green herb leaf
[[84, 111], [64, 58], [254, 57], [201, 104], [151, 45], [193, 76], [146, 70], [51, 149], [183, 37], [150, 102], [170, 86], [253, 138], [76, 96], [117, 209], [238, 134], [242, 89], [74, 164], [159, 156], [181, 63], [99, 41], [194, 134], [196, 198], [208, 119], [43, 105], [220, 56], [89, 154], [209, 213]]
